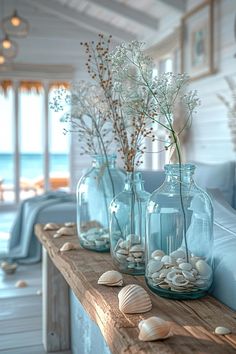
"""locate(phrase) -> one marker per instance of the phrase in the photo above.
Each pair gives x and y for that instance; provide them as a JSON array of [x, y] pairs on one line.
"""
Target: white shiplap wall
[[210, 139]]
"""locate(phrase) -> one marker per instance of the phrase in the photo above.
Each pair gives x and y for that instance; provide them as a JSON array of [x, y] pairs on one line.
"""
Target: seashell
[[134, 299], [171, 275], [9, 268], [164, 271], [137, 254], [69, 224], [56, 235], [121, 257], [51, 226], [222, 331], [139, 259], [168, 260], [154, 266], [65, 231], [188, 275], [203, 268], [179, 280], [68, 246], [136, 249], [157, 253], [122, 251], [130, 259], [92, 237], [21, 284], [185, 266], [154, 328], [178, 254], [180, 260], [111, 278]]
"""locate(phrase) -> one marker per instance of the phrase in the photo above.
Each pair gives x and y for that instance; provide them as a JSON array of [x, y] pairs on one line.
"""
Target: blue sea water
[[31, 165]]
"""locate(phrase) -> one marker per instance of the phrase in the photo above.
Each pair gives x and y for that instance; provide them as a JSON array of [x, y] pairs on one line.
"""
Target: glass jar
[[128, 226], [179, 236], [95, 190]]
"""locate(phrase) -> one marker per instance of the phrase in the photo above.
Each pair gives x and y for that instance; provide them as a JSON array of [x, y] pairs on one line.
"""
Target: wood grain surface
[[193, 321]]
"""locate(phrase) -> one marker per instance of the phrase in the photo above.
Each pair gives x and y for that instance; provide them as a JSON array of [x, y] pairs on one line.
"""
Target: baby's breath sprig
[[85, 108], [127, 107]]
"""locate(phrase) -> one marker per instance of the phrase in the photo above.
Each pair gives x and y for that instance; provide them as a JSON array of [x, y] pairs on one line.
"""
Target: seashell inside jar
[[129, 254], [178, 275], [95, 237]]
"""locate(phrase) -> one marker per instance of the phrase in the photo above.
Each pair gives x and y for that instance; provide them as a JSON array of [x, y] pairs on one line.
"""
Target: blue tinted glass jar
[[179, 237], [95, 190], [128, 226]]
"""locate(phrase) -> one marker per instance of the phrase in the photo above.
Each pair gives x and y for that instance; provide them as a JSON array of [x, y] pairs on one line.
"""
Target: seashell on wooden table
[[111, 278], [154, 328], [134, 299]]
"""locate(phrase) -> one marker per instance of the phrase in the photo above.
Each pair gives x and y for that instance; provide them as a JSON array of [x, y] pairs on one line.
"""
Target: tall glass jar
[[128, 226], [95, 190], [179, 237]]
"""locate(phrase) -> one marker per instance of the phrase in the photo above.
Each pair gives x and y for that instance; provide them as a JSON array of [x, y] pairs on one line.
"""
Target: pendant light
[[8, 47], [2, 58], [15, 25]]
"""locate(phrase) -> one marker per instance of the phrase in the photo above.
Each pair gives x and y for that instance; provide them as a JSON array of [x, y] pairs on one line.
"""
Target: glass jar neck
[[104, 161], [177, 172], [134, 181]]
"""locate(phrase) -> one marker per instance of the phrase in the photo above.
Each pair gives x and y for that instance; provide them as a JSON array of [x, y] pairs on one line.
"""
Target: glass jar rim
[[176, 167]]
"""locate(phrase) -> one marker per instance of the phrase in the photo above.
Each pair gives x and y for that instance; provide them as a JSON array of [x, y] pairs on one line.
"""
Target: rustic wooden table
[[193, 321]]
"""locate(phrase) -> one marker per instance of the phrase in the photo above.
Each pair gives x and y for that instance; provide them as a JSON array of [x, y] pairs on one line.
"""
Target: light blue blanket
[[24, 246]]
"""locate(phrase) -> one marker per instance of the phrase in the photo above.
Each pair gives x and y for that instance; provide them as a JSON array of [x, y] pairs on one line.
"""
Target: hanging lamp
[[15, 25], [2, 58], [8, 47]]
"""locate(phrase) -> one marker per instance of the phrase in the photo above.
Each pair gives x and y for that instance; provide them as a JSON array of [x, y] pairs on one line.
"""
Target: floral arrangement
[[85, 108], [130, 126]]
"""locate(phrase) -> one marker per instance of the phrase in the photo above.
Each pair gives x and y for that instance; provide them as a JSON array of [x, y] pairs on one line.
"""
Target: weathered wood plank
[[56, 319], [193, 321], [21, 324], [36, 349]]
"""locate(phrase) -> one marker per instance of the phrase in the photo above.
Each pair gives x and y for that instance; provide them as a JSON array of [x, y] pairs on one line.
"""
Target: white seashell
[[188, 275], [164, 271], [69, 224], [178, 254], [136, 248], [154, 328], [157, 253], [185, 266], [168, 260], [92, 231], [21, 284], [137, 254], [154, 266], [139, 259], [193, 260], [68, 246], [171, 275], [66, 231], [9, 268], [203, 268], [179, 280], [134, 299], [222, 330], [51, 226], [111, 278], [122, 251], [56, 235], [180, 260], [158, 258], [130, 259]]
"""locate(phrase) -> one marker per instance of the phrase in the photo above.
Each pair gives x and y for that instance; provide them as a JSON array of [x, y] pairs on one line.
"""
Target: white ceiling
[[58, 26]]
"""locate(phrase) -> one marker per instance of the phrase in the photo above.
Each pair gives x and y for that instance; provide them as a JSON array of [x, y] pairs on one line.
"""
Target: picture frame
[[197, 41]]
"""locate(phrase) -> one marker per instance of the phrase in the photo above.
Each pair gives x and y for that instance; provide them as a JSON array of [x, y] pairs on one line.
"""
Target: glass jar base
[[96, 248], [176, 295], [131, 271]]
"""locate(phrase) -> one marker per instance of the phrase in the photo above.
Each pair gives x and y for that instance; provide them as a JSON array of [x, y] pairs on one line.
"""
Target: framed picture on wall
[[197, 41]]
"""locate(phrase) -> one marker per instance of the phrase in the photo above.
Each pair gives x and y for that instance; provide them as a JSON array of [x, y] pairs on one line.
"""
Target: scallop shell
[[68, 246], [185, 266], [157, 253], [51, 226], [21, 284], [66, 231], [154, 328], [154, 266], [111, 278], [9, 268], [178, 254], [134, 299]]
